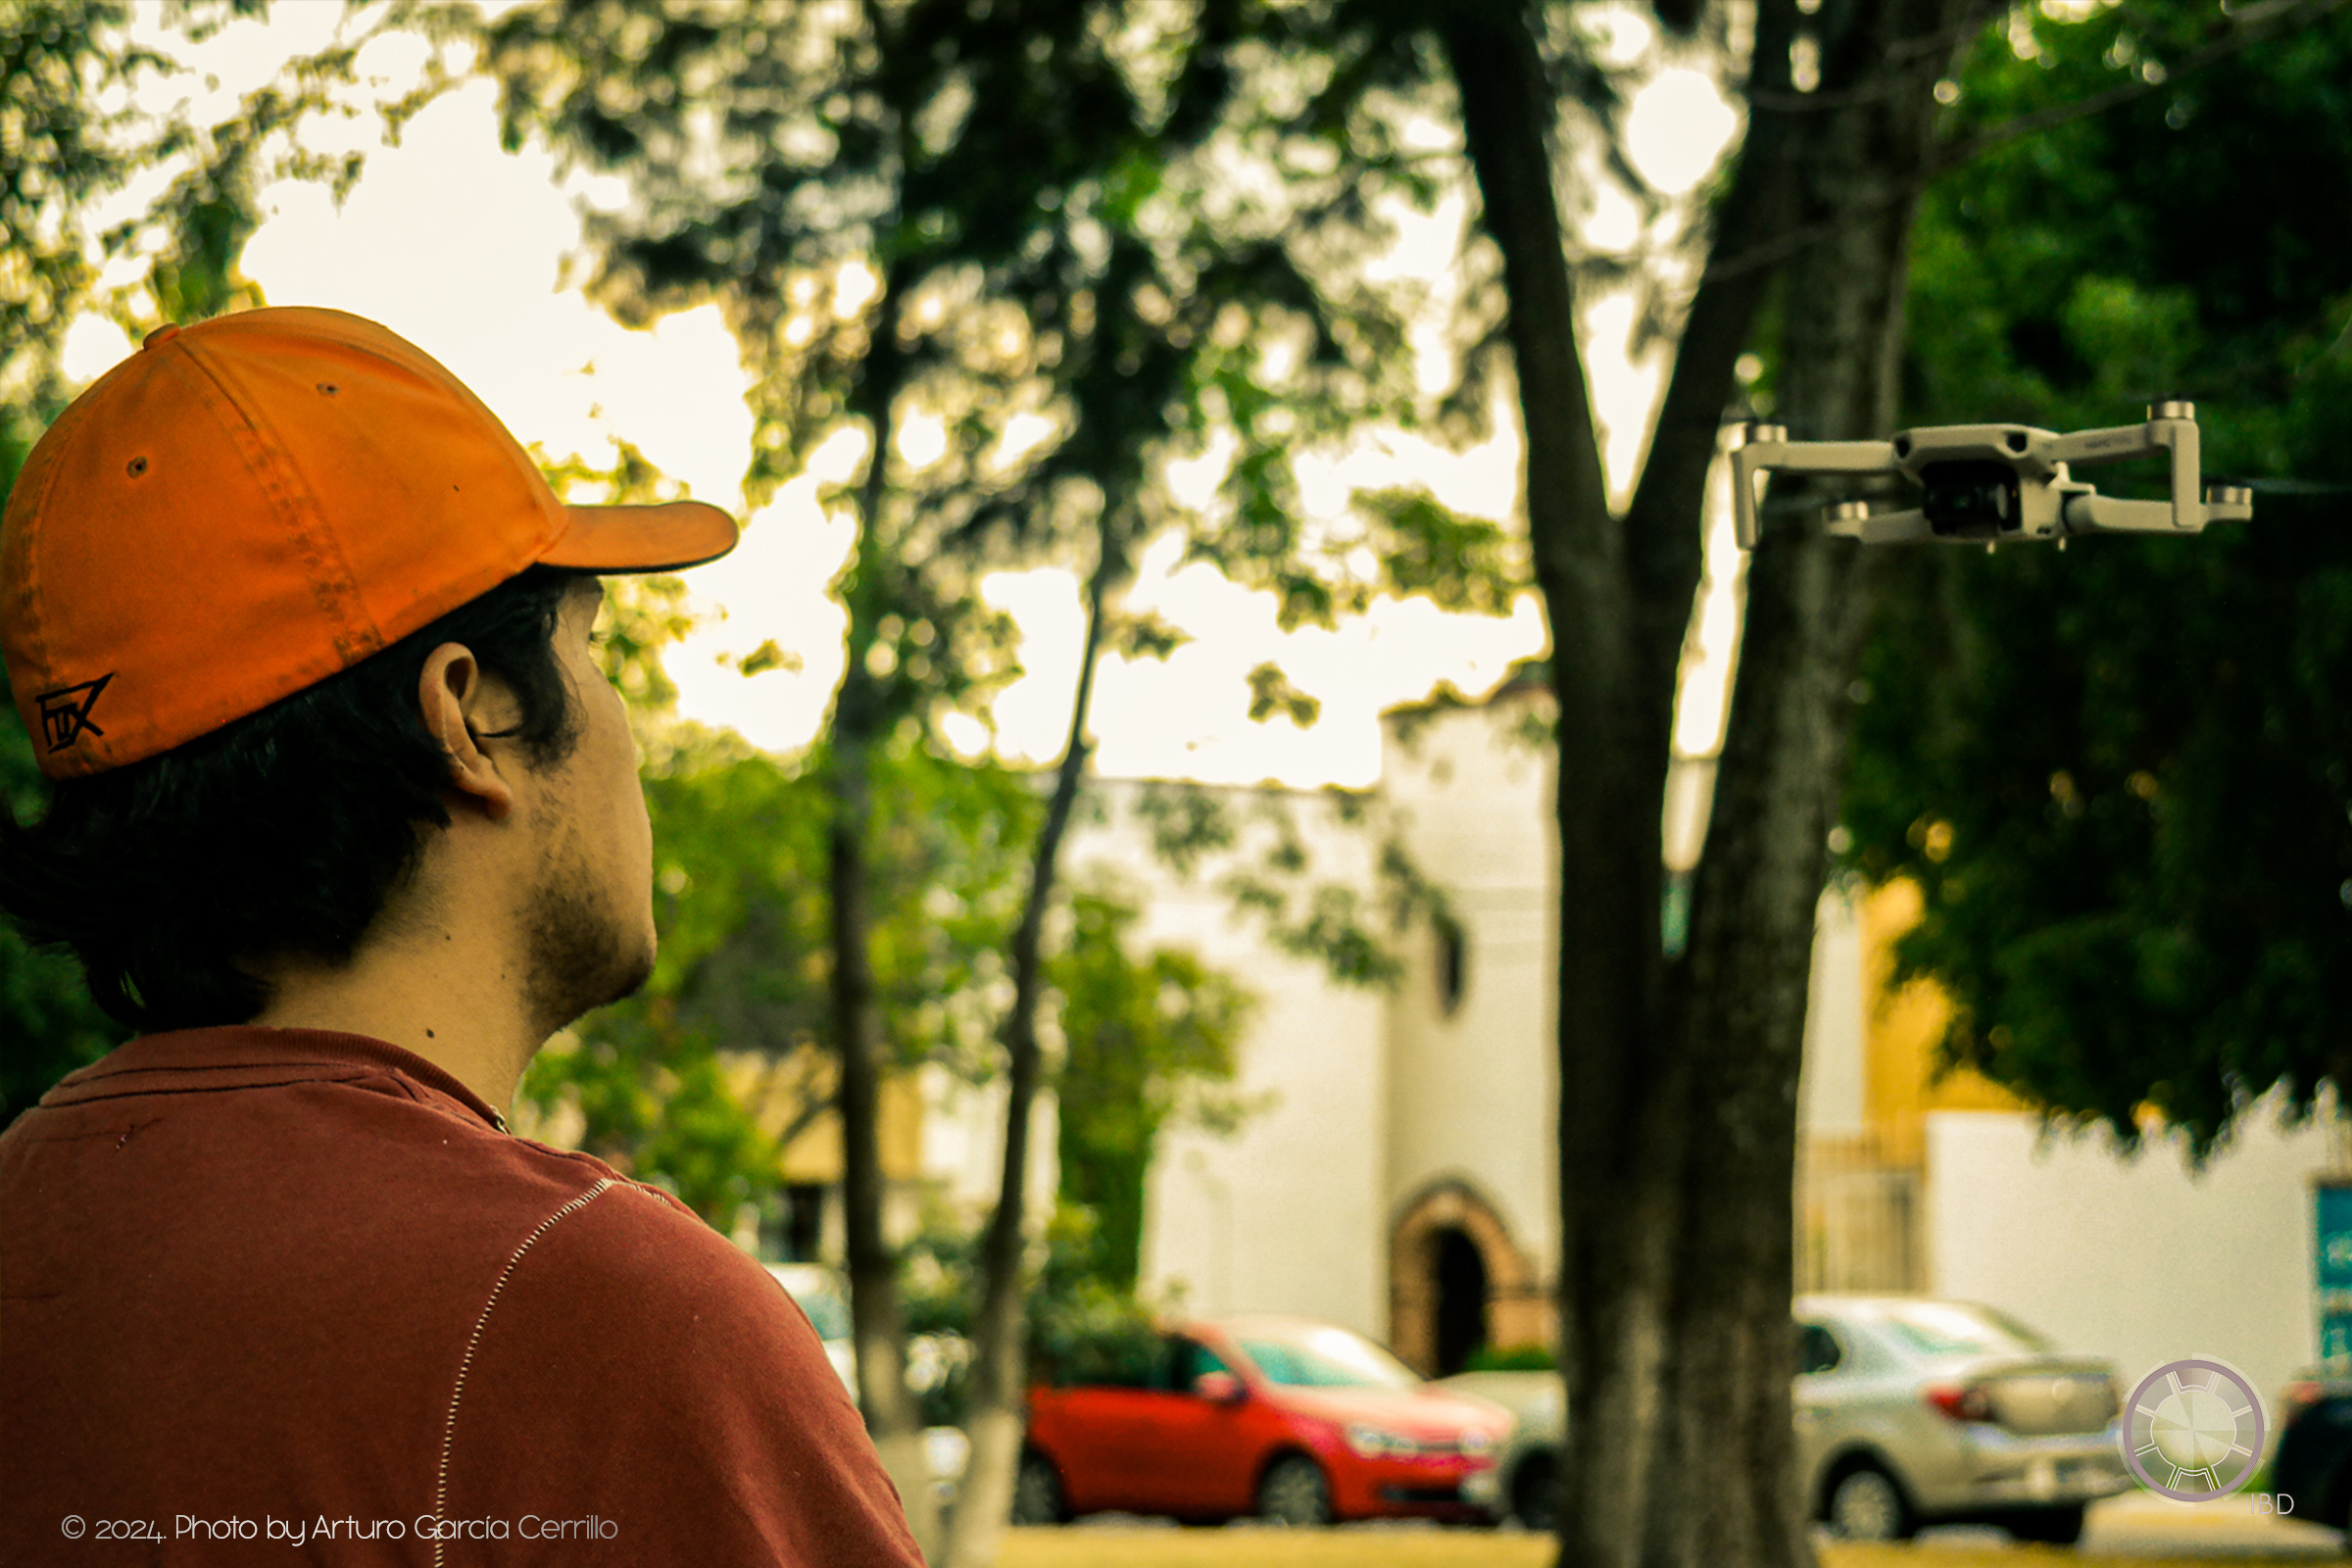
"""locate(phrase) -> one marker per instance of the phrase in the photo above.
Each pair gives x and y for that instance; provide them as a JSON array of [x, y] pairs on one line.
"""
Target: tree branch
[[1667, 552], [997, 1375]]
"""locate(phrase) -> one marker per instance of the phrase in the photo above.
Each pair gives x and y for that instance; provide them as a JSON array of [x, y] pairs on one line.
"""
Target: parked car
[[1295, 1421], [1528, 1464], [1911, 1412], [2312, 1464]]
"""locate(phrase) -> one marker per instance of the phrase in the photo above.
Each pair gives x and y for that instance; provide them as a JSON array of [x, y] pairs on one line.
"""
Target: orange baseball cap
[[252, 504]]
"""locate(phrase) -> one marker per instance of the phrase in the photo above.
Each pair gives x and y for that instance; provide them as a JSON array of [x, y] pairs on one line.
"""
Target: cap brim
[[652, 538]]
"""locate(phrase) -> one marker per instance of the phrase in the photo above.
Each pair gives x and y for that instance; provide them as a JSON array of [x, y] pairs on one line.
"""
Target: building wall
[[1857, 1215], [2144, 1259], [962, 1145], [1385, 1116], [1474, 1088], [1285, 1215], [1906, 1026], [1831, 1088], [1870, 1080]]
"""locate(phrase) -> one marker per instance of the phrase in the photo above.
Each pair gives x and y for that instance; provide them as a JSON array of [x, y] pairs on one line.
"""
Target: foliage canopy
[[2121, 776]]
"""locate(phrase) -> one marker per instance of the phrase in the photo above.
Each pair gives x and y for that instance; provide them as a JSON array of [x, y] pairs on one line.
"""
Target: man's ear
[[460, 705]]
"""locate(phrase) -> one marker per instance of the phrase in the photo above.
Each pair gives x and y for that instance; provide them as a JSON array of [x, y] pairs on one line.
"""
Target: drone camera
[[1971, 500]]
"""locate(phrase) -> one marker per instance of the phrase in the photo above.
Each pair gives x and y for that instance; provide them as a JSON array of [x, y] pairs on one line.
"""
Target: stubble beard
[[581, 952]]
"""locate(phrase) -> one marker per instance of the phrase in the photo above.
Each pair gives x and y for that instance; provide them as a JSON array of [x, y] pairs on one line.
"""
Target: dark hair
[[278, 835]]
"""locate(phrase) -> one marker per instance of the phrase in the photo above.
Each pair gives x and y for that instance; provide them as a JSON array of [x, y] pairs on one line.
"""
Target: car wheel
[[1037, 1492], [1533, 1502], [1867, 1505], [1293, 1491], [2057, 1527]]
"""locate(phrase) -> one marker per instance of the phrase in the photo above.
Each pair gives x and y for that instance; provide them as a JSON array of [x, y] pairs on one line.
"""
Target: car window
[[1816, 1349], [1327, 1358], [1190, 1360], [1952, 1327]]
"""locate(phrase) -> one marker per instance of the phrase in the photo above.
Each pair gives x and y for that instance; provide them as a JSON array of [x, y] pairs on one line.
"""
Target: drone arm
[[2178, 435], [2110, 445], [2097, 514], [2188, 484], [2092, 513], [1883, 527], [1796, 457]]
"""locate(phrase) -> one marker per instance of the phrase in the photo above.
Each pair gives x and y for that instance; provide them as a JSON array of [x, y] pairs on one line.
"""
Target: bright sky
[[461, 247]]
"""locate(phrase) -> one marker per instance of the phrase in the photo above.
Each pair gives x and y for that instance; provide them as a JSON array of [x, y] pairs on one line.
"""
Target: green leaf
[[1271, 692], [1463, 564]]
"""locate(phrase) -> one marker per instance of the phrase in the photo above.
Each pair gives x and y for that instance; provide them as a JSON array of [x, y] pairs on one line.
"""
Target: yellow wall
[[779, 1091], [1903, 1029]]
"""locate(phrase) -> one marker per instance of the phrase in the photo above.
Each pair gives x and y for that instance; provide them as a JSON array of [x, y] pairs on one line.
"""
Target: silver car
[[1526, 1466], [1911, 1412]]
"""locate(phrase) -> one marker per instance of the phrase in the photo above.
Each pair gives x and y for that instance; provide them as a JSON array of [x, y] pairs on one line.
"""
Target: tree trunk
[[1678, 1075], [1730, 1442], [1610, 1133], [999, 1381], [877, 1324]]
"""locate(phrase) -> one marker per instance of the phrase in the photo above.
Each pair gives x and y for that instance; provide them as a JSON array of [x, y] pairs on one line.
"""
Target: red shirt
[[264, 1284]]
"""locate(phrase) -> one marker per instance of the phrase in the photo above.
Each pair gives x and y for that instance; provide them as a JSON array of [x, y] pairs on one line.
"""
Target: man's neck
[[465, 1017]]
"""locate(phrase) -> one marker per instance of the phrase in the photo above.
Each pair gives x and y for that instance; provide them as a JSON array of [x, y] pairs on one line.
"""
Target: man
[[346, 823]]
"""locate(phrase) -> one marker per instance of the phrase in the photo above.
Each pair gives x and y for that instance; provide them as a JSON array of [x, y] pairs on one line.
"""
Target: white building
[[1399, 1175]]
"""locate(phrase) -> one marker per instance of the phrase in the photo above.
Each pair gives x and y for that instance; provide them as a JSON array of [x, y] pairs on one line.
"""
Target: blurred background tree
[[702, 1079], [997, 244], [745, 959], [2122, 777], [1146, 1042], [48, 1024]]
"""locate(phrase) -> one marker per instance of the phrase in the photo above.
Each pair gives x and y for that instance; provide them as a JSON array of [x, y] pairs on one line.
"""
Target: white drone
[[1993, 483]]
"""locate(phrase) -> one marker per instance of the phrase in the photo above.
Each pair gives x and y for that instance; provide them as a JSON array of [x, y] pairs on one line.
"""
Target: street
[[2137, 1528], [2141, 1524]]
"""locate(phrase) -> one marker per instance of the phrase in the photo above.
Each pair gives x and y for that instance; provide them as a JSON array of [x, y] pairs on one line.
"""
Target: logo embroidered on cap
[[65, 712]]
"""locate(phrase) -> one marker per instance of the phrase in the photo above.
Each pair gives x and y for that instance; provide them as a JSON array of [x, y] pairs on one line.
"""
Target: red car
[[1295, 1421]]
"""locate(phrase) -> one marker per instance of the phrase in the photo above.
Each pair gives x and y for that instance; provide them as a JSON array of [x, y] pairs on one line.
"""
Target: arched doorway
[[1460, 1277], [1456, 1281]]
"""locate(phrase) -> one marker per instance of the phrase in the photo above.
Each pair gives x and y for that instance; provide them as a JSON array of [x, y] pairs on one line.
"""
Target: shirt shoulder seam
[[457, 1393]]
